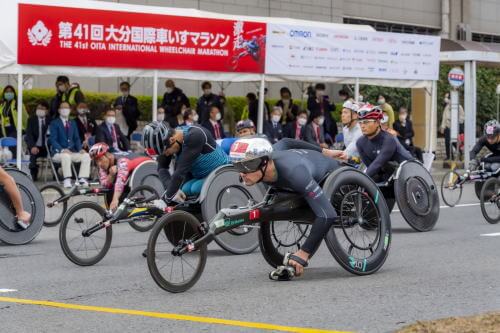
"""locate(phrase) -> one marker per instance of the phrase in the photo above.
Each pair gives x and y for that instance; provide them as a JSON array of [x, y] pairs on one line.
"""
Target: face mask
[[64, 112], [61, 88], [360, 98], [321, 120], [381, 101], [207, 91], [196, 117], [125, 93], [160, 117], [446, 100], [110, 120], [302, 121], [385, 119], [276, 118], [40, 113], [218, 116], [9, 96], [402, 117], [82, 112], [286, 101], [169, 90], [320, 93]]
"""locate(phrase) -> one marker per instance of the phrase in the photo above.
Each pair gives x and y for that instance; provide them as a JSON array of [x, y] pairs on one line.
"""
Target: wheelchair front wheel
[[490, 200], [451, 190], [143, 223], [54, 214]]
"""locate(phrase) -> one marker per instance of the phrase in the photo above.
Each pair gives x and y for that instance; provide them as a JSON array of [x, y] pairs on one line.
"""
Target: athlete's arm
[[477, 147], [386, 152], [121, 180]]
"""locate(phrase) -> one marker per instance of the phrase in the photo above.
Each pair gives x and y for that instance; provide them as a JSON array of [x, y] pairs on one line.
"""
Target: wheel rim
[[491, 199], [360, 224], [176, 270], [417, 192], [85, 248], [451, 190], [9, 223], [288, 236], [143, 221], [230, 196], [52, 214]]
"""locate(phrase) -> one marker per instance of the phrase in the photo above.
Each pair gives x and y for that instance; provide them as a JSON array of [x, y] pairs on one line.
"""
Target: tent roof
[[456, 52]]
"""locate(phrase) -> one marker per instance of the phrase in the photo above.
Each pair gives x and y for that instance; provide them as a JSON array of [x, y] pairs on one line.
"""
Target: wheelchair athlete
[[379, 150], [10, 187], [113, 170], [197, 156], [490, 140], [296, 170]]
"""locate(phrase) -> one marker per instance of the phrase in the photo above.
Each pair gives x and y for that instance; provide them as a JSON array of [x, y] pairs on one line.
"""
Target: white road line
[[7, 290], [495, 234], [461, 205]]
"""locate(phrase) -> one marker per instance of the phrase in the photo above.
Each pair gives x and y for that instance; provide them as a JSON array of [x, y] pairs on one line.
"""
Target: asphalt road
[[450, 271]]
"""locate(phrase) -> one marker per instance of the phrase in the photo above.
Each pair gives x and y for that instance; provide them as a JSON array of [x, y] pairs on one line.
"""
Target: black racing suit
[[378, 152], [300, 171], [492, 162]]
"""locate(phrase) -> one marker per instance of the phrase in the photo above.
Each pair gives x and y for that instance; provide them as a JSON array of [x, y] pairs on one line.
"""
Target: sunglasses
[[249, 166]]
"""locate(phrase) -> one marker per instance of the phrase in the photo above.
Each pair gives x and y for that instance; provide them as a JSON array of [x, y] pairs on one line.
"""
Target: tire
[[167, 231], [490, 200], [10, 232], [270, 240], [451, 192], [147, 222], [478, 186], [76, 214], [346, 183], [53, 215], [391, 202]]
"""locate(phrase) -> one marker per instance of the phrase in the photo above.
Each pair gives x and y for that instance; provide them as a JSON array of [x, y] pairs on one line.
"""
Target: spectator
[[251, 110], [315, 132], [160, 114], [404, 131], [296, 129], [245, 127], [345, 96], [190, 117], [130, 110], [65, 93], [173, 100], [384, 124], [319, 103], [387, 108], [85, 124], [273, 129], [36, 135], [290, 110], [66, 147], [206, 101], [8, 114], [213, 123], [109, 133], [445, 127]]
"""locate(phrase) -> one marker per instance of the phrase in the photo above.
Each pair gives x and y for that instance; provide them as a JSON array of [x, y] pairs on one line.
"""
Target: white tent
[[9, 65]]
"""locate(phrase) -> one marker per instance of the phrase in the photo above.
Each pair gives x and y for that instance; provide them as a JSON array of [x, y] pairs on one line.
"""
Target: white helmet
[[251, 154], [353, 106]]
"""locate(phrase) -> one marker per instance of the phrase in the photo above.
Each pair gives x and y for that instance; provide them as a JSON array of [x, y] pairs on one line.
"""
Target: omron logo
[[300, 33]]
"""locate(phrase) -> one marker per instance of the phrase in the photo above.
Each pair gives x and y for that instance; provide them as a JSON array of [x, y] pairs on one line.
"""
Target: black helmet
[[491, 128], [246, 123], [155, 137]]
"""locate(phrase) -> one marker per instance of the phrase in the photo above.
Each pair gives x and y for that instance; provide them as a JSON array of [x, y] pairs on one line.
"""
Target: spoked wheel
[[82, 249], [143, 223], [10, 232], [360, 238], [53, 213], [279, 237], [170, 270], [490, 200], [451, 189]]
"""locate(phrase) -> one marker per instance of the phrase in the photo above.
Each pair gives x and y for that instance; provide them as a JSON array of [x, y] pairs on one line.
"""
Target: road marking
[[7, 290], [444, 206], [171, 316], [492, 234]]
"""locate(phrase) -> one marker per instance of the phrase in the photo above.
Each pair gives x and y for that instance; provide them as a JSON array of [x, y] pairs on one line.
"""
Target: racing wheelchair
[[490, 199], [415, 192], [359, 239], [10, 231]]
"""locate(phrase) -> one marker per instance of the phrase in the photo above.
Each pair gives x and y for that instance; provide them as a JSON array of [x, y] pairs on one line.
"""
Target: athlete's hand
[[179, 197], [331, 153], [343, 155], [113, 205], [113, 170]]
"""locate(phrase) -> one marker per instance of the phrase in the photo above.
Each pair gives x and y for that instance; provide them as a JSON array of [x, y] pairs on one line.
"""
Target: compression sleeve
[[103, 179], [121, 174], [362, 153], [477, 147], [387, 150]]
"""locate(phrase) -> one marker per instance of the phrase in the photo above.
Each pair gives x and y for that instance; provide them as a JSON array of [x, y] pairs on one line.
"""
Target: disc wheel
[[143, 223], [451, 189], [360, 238], [279, 237], [54, 214], [171, 272], [79, 249], [490, 200]]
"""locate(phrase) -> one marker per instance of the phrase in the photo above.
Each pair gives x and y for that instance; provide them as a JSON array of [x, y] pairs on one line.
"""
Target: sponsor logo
[[39, 34], [300, 33]]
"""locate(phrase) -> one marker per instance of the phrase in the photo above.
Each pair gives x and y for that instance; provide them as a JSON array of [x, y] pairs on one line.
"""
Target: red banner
[[62, 36]]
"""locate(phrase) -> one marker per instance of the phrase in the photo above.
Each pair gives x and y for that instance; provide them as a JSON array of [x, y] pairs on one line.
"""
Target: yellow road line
[[171, 316]]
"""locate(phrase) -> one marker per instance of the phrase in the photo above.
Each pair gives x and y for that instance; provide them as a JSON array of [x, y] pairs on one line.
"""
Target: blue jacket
[[59, 140]]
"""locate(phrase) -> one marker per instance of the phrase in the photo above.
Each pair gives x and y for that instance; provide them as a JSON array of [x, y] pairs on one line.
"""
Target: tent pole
[[469, 108], [433, 116], [356, 90], [155, 95], [260, 117], [19, 126]]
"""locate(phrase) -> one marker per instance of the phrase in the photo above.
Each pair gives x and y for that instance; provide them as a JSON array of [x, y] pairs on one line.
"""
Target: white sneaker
[[67, 183], [84, 182]]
